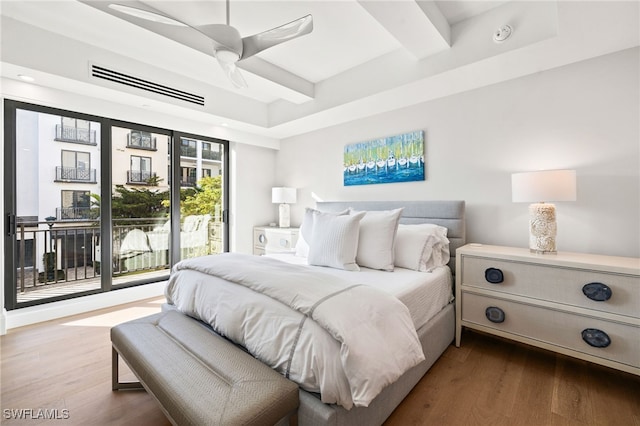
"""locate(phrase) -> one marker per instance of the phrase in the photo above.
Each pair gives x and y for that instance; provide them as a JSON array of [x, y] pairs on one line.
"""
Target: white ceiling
[[362, 58]]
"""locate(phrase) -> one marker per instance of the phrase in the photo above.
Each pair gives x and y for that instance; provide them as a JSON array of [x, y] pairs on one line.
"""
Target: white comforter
[[343, 340]]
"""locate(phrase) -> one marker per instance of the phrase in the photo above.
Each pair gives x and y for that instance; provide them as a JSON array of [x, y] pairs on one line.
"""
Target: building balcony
[[188, 182], [73, 174], [210, 155], [76, 213], [54, 259], [75, 135], [141, 140], [188, 151], [137, 177]]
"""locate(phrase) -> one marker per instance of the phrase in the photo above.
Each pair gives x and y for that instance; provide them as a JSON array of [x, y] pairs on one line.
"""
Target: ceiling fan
[[229, 47]]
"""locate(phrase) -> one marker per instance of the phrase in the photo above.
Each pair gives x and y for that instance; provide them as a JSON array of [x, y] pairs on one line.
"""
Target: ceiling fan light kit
[[228, 46], [502, 33]]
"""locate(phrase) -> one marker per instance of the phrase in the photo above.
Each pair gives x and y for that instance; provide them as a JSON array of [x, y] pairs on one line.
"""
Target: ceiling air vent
[[149, 86]]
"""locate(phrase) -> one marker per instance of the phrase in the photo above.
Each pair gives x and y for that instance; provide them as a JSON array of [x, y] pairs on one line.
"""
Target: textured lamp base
[[284, 216], [542, 228]]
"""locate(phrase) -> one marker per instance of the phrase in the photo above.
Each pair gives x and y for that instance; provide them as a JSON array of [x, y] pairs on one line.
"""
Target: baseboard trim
[[49, 311], [3, 322]]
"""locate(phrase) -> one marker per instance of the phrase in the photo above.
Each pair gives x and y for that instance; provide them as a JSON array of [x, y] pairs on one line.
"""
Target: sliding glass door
[[95, 204], [55, 225], [140, 201], [203, 198]]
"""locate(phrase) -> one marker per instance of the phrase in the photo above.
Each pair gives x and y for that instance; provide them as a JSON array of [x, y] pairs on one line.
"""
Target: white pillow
[[421, 247], [377, 237], [335, 240], [306, 231], [302, 248]]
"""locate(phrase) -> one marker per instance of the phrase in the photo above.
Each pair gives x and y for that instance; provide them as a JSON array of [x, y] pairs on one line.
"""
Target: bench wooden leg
[[115, 379]]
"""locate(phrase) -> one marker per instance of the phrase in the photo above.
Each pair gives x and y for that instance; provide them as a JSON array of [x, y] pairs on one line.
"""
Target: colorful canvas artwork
[[386, 160]]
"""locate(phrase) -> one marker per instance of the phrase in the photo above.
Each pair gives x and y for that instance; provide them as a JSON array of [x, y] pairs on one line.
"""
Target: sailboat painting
[[386, 160]]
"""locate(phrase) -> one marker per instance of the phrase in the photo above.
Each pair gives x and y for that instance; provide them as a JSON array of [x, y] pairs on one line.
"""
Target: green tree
[[138, 203], [205, 199]]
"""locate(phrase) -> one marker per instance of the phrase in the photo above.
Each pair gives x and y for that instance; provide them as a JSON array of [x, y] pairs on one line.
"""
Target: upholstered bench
[[198, 377]]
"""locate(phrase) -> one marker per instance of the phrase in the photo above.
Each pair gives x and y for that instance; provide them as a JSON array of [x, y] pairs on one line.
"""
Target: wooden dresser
[[582, 305]]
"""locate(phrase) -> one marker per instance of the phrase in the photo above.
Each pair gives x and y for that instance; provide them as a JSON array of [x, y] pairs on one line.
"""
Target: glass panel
[[140, 206], [68, 159], [83, 124], [83, 161], [57, 226], [201, 227], [145, 164]]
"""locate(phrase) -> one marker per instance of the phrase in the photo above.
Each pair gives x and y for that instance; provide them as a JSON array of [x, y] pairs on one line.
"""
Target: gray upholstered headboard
[[449, 214]]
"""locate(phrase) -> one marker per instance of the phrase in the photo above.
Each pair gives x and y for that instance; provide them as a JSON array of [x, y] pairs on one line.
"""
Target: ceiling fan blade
[[146, 14], [233, 73], [224, 37], [259, 42]]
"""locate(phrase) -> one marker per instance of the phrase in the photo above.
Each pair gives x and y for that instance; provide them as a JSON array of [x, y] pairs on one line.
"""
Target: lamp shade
[[547, 185], [283, 195]]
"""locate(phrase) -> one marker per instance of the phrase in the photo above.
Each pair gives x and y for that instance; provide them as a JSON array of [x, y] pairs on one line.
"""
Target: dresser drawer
[[555, 284], [274, 240], [558, 328], [259, 238]]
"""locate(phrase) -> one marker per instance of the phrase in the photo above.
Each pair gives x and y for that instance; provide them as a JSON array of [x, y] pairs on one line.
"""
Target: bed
[[431, 328]]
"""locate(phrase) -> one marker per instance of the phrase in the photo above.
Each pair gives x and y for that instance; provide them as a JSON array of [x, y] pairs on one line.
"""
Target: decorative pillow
[[335, 240], [302, 248], [421, 247], [377, 238], [306, 231]]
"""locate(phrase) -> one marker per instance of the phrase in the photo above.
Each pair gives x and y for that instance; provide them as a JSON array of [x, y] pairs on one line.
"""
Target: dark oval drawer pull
[[494, 314], [596, 338], [493, 275], [597, 291]]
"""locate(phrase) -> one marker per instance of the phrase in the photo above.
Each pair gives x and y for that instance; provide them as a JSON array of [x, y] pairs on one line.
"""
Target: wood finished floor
[[66, 365]]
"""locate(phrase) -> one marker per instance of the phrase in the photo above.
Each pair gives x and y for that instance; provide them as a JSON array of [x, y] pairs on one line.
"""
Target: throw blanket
[[377, 341]]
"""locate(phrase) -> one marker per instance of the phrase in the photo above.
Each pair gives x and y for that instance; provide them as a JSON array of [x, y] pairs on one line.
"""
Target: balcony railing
[[73, 174], [138, 177], [49, 255], [61, 255], [189, 181], [188, 151], [141, 142], [210, 155], [77, 213], [75, 135]]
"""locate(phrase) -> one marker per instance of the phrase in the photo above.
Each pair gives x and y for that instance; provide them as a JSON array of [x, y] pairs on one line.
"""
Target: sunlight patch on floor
[[114, 318]]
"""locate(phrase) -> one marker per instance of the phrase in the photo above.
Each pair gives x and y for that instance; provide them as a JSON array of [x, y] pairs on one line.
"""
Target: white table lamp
[[540, 187], [284, 197]]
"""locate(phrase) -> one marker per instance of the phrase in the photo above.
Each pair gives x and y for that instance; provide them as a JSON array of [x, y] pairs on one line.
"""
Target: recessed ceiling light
[[225, 124], [26, 78]]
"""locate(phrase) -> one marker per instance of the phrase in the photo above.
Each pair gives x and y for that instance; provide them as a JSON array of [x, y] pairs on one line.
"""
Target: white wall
[[583, 116], [254, 174]]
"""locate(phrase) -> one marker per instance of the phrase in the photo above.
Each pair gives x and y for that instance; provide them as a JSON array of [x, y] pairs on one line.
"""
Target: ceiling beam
[[419, 26]]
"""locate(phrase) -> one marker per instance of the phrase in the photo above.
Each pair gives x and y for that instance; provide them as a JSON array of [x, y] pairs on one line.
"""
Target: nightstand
[[581, 305], [270, 239]]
